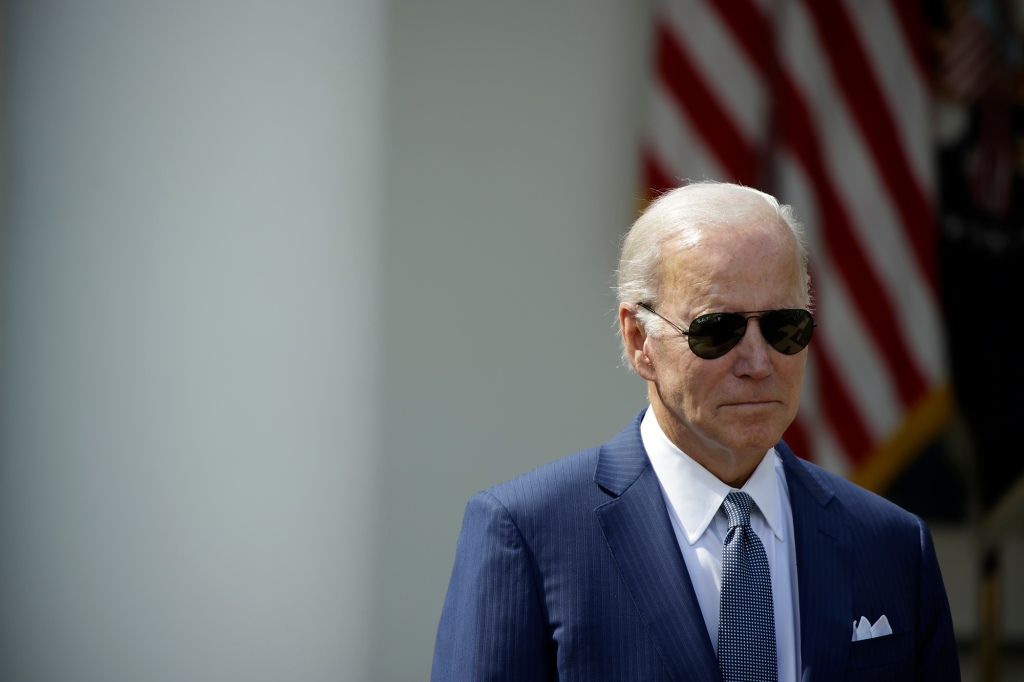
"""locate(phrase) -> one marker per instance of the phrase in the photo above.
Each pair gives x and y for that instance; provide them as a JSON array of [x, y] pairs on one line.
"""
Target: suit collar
[[639, 534], [622, 459], [824, 560], [810, 478]]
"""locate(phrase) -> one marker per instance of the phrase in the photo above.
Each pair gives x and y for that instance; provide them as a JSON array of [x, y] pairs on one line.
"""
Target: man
[[695, 545]]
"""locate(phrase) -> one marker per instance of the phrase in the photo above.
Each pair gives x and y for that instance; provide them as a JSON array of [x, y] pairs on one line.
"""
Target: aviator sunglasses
[[712, 335]]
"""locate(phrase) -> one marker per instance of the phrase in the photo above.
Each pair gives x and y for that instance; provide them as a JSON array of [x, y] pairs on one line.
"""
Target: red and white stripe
[[825, 105]]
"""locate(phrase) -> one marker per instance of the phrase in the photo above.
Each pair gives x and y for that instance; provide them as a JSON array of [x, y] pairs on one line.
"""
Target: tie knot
[[737, 508]]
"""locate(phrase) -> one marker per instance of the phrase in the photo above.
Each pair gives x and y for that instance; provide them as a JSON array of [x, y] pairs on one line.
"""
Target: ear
[[634, 337]]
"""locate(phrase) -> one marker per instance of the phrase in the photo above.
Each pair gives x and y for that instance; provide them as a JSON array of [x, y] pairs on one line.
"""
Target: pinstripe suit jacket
[[572, 572]]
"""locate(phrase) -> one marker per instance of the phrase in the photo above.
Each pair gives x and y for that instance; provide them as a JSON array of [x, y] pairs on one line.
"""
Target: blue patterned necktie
[[746, 625]]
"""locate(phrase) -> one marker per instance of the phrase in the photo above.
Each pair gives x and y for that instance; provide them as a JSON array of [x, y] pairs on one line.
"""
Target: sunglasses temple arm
[[674, 325]]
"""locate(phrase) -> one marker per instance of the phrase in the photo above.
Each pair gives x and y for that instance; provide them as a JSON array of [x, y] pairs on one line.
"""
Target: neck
[[734, 468]]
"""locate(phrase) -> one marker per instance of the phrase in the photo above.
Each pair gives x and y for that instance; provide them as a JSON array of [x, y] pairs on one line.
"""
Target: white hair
[[680, 217]]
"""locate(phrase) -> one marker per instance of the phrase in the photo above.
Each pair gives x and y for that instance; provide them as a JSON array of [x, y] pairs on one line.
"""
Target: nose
[[753, 354]]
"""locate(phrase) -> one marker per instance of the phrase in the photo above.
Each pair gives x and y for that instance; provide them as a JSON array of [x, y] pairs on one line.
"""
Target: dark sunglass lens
[[788, 331], [715, 334]]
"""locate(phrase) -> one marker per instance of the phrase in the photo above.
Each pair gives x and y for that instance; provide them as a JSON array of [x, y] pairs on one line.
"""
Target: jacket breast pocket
[[889, 657]]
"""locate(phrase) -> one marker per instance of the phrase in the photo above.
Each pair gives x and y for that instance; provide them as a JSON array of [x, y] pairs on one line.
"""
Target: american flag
[[826, 105]]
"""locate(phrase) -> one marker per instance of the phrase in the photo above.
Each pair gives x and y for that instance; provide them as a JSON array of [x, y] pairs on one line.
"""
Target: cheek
[[696, 384], [792, 372]]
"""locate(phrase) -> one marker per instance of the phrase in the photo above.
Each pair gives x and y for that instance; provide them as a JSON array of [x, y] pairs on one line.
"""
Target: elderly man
[[694, 545]]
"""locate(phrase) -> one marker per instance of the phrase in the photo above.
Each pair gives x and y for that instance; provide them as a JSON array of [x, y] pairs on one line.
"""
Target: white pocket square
[[864, 630]]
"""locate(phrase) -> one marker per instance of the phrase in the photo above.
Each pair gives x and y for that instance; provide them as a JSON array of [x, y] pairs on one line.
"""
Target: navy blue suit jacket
[[573, 572]]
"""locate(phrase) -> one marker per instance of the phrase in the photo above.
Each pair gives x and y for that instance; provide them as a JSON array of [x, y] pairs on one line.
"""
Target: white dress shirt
[[693, 496]]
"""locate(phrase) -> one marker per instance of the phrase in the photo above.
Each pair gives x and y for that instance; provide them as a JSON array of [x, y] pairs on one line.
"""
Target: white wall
[[511, 175], [244, 395], [188, 387]]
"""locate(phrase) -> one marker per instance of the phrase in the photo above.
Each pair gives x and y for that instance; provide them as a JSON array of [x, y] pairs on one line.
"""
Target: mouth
[[751, 403]]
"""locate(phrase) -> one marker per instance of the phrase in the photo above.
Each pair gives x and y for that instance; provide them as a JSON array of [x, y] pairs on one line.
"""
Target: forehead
[[752, 266]]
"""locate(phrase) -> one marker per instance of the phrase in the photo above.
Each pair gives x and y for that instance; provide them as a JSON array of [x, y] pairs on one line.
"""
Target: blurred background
[[283, 284]]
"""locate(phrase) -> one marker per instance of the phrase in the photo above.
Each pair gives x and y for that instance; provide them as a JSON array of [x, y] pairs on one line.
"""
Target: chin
[[756, 444]]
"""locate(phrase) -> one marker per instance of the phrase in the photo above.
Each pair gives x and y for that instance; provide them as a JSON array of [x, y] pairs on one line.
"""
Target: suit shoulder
[[548, 483], [861, 503]]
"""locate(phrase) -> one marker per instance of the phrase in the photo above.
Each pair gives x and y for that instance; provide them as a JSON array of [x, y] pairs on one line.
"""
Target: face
[[726, 412]]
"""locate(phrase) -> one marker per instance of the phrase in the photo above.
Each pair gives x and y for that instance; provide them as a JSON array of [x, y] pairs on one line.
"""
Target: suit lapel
[[824, 565], [639, 534]]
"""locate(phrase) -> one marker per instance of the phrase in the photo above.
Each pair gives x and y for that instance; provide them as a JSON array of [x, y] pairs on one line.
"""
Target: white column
[[188, 416]]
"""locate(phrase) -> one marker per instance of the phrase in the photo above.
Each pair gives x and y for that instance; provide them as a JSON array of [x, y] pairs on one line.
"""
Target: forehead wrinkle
[[702, 266], [688, 273]]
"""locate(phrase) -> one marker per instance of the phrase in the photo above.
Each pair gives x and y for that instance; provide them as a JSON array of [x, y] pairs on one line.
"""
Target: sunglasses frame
[[746, 315]]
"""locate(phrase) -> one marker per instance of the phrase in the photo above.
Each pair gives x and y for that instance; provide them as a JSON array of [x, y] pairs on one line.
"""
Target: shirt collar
[[696, 494]]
